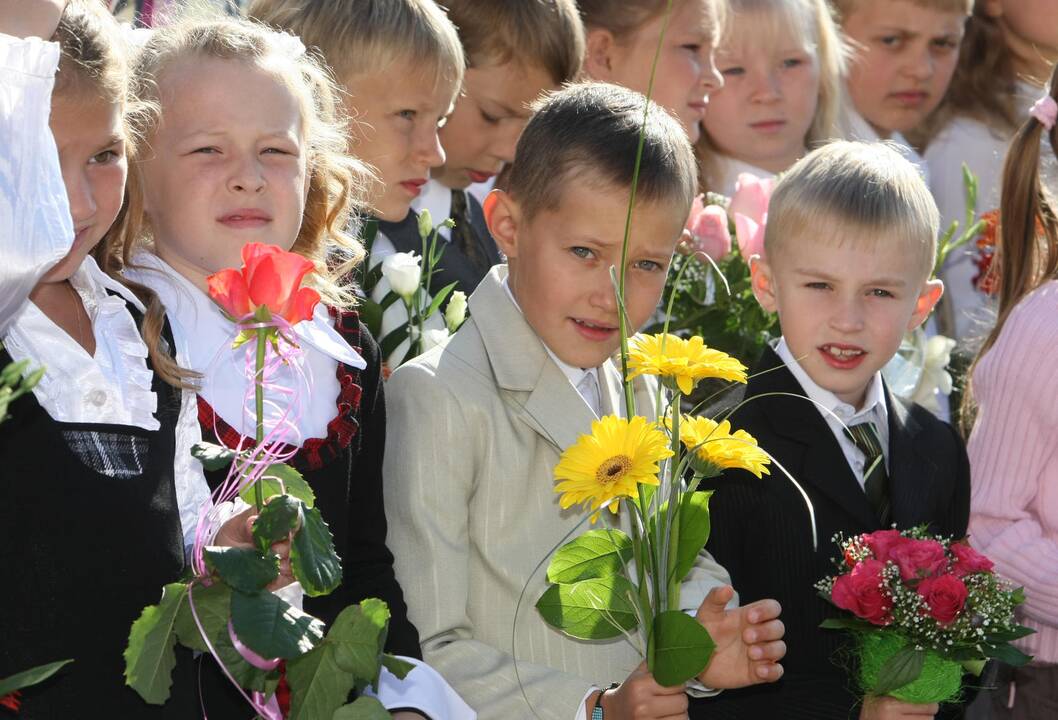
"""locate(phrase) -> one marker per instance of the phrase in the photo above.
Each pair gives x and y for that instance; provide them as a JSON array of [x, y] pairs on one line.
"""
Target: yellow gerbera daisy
[[684, 362], [716, 448], [607, 465]]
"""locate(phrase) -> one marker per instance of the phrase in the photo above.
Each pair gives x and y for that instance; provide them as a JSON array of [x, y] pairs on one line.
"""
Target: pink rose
[[708, 225], [863, 593], [969, 561], [945, 596], [881, 542], [751, 197], [750, 235], [918, 558], [271, 277]]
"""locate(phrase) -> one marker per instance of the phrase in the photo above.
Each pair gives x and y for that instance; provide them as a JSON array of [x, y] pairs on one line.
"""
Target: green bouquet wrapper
[[940, 680]]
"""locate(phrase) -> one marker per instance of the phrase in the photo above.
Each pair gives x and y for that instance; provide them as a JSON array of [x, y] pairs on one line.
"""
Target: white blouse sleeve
[[36, 231]]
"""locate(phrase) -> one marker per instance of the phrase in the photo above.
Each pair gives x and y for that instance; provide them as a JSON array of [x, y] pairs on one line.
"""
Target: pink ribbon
[[1045, 110]]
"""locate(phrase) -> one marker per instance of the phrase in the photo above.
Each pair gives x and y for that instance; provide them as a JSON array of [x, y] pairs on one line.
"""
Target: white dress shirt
[[856, 127], [873, 410]]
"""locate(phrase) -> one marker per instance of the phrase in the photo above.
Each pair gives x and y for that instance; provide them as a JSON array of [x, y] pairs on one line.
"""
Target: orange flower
[[270, 278]]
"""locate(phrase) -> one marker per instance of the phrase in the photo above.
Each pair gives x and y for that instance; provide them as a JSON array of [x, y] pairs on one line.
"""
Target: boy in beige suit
[[476, 427]]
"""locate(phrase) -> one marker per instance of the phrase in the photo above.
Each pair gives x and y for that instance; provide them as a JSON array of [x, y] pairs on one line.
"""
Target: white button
[[96, 397]]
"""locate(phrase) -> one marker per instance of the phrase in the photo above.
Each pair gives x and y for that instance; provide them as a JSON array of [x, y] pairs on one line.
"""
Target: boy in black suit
[[849, 247]]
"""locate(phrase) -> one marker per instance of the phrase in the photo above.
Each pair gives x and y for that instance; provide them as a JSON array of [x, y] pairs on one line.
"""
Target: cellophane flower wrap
[[924, 609], [224, 606]]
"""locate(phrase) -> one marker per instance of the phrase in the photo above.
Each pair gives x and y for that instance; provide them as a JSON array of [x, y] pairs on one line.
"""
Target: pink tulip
[[751, 197], [708, 225], [750, 235]]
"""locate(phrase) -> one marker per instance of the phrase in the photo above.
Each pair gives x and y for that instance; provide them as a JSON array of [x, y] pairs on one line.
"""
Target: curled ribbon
[[1045, 110]]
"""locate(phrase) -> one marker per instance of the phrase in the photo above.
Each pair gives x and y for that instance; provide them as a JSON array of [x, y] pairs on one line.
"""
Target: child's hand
[[640, 697], [30, 18], [238, 532], [887, 708], [748, 641]]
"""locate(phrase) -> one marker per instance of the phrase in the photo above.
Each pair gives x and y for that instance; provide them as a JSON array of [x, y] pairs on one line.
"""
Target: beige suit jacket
[[474, 432]]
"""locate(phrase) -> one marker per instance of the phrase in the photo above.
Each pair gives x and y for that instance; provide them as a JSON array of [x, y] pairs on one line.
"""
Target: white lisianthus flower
[[403, 271], [935, 375], [456, 310], [433, 337]]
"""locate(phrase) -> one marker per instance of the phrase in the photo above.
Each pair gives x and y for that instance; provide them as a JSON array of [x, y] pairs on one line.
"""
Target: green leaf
[[149, 658], [277, 520], [682, 648], [318, 686], [902, 668], [694, 532], [245, 674], [244, 569], [846, 623], [595, 554], [312, 557], [272, 627], [393, 339], [1016, 633], [974, 667], [398, 667], [358, 634], [213, 456], [363, 708], [212, 606], [371, 315], [595, 609], [438, 299], [30, 677], [281, 479], [1007, 653]]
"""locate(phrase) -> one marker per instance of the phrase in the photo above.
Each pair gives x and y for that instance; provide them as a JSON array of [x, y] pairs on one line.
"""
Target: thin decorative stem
[[258, 391]]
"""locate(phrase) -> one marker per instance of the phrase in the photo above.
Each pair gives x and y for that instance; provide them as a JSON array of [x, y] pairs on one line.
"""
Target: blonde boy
[[905, 52], [476, 427], [849, 252], [515, 51]]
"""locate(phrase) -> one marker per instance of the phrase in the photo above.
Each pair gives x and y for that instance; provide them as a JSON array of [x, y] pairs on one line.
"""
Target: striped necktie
[[875, 477], [463, 234]]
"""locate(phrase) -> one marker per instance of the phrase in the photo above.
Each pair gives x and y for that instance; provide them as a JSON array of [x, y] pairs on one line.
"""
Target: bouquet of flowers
[[225, 607], [409, 280], [925, 608]]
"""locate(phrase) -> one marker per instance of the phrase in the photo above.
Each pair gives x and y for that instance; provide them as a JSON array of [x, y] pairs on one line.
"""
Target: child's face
[[395, 115], [1030, 29], [489, 116], [226, 166], [560, 265], [766, 107], [686, 71], [90, 138], [907, 59], [844, 308]]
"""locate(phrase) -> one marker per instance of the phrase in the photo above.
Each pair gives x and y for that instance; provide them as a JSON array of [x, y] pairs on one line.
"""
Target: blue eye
[[818, 286], [648, 265], [105, 158], [205, 150], [406, 114], [733, 71], [891, 41], [879, 292], [582, 252], [792, 62]]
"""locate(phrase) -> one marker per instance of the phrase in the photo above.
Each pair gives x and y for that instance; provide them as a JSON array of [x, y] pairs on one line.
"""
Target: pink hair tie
[[1046, 111]]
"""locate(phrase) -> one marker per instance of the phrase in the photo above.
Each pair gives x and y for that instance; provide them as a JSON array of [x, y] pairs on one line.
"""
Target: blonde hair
[[336, 181], [844, 8], [357, 37], [1027, 250], [818, 32], [860, 192], [622, 18], [546, 34]]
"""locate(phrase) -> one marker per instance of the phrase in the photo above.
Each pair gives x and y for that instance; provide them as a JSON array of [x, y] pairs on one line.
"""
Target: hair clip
[[1046, 111], [289, 45]]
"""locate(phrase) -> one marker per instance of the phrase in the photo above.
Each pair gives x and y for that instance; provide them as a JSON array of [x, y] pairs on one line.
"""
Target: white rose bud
[[403, 272], [433, 337], [456, 311], [425, 223]]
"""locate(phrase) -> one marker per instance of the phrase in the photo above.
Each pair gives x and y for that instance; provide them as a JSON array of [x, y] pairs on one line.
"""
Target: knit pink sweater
[[1014, 462]]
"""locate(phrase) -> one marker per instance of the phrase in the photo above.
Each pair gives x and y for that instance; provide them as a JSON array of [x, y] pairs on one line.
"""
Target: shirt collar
[[89, 277], [874, 408], [575, 374]]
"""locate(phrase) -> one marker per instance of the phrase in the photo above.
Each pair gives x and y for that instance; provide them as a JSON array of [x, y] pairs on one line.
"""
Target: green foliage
[[694, 530], [595, 554], [212, 606], [318, 686], [272, 627], [280, 517], [682, 648], [14, 383], [30, 677], [149, 657], [312, 556], [359, 634], [594, 609], [281, 479], [244, 569], [400, 668], [363, 708], [902, 668], [212, 456]]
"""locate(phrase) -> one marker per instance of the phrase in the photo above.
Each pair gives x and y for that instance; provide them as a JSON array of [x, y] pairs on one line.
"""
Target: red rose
[[945, 596], [881, 542], [918, 558], [863, 593], [10, 701], [270, 277], [968, 560]]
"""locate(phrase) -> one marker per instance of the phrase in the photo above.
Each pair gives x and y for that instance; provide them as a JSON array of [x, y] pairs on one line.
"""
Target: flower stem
[[258, 391]]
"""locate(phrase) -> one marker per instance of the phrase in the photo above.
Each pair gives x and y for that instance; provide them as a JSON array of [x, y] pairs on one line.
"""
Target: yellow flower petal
[[683, 361], [715, 446]]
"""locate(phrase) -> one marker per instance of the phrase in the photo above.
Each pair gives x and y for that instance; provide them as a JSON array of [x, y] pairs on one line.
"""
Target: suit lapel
[[813, 455], [912, 471], [529, 379]]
